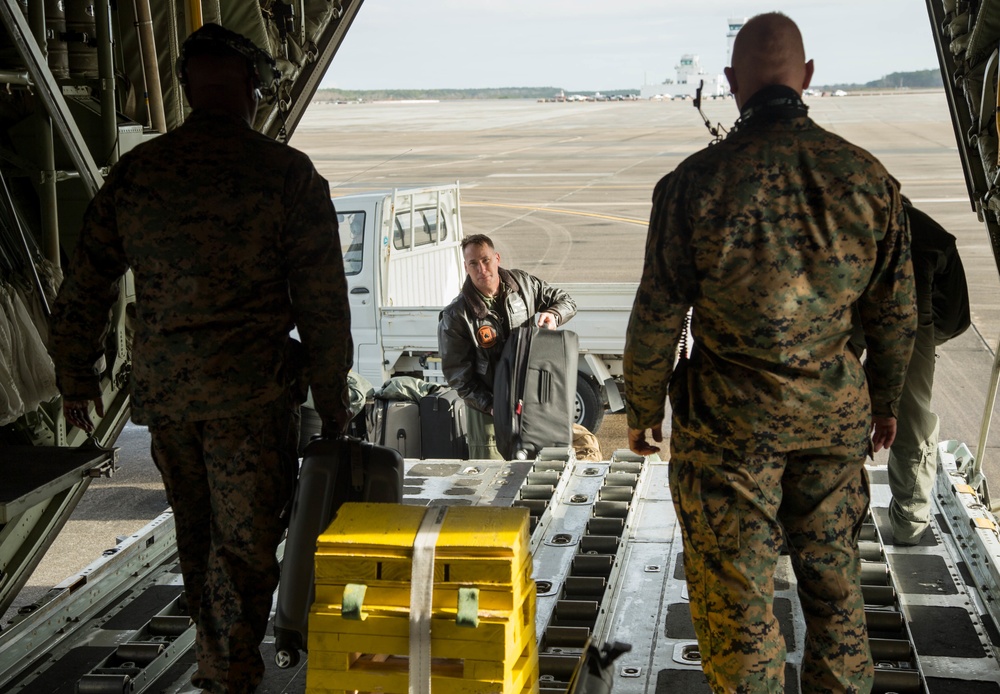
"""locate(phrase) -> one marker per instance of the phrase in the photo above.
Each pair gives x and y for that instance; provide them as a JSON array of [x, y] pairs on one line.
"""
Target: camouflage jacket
[[232, 240], [471, 336], [772, 237]]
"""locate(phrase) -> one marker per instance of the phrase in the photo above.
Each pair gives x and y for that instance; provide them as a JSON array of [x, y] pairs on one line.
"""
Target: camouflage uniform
[[471, 334], [232, 240], [772, 237]]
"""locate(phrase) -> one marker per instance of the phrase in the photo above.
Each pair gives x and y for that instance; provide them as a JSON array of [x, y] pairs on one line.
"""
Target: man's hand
[[637, 440], [883, 432], [547, 319], [77, 413]]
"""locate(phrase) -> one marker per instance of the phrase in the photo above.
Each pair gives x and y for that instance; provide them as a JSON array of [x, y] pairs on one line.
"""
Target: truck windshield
[[352, 236]]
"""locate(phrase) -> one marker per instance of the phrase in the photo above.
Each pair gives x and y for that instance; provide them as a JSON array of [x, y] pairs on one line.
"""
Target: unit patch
[[486, 335]]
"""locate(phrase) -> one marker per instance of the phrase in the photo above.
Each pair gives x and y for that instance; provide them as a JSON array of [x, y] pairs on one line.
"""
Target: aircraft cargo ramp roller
[[607, 562]]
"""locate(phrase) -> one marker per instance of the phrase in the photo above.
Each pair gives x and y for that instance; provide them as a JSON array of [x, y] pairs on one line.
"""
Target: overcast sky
[[609, 44]]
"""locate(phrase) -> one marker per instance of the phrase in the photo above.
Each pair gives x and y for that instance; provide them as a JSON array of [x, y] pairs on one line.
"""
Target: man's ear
[[731, 76], [809, 74], [255, 94]]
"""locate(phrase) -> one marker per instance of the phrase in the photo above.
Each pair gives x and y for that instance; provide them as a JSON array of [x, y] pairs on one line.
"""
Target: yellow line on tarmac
[[535, 208]]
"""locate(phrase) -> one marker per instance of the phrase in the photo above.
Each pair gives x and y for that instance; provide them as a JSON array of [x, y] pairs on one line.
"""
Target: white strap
[[421, 599]]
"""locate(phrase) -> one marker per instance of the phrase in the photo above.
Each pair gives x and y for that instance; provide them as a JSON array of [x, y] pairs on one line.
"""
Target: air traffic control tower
[[735, 24], [689, 73]]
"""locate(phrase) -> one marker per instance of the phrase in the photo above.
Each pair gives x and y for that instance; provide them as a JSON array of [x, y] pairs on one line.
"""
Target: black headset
[[212, 37]]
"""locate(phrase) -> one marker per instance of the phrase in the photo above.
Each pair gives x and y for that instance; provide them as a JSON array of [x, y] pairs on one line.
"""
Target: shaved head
[[768, 51]]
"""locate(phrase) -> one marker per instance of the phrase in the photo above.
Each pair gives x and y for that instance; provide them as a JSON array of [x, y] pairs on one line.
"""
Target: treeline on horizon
[[919, 79], [446, 94]]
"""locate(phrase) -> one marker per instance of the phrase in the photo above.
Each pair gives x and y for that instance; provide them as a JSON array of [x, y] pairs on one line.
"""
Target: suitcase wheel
[[287, 644], [286, 658]]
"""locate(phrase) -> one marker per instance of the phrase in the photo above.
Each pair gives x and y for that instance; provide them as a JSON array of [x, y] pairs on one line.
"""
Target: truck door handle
[[359, 290]]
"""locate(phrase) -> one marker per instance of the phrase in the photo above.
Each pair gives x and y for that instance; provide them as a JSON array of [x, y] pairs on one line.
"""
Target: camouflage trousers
[[736, 511], [229, 482]]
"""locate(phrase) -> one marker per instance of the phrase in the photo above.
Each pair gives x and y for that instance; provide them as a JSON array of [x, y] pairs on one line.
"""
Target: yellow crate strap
[[421, 599], [351, 607]]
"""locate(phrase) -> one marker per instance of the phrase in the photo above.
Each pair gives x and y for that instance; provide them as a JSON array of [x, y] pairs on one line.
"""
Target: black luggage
[[443, 432], [397, 425], [534, 391], [333, 471]]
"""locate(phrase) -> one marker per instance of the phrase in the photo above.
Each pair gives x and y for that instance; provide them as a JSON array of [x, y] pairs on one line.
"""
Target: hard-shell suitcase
[[443, 431], [534, 391], [397, 425], [333, 471]]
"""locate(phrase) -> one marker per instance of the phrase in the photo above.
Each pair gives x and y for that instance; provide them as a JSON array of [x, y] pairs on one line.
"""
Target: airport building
[[688, 73]]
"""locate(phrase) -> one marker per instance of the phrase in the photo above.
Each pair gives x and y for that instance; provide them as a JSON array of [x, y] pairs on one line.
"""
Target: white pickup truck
[[403, 259]]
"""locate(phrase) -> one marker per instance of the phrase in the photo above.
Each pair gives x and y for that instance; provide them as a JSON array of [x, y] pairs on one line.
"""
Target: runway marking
[[538, 208], [596, 186], [924, 200], [624, 203], [545, 175]]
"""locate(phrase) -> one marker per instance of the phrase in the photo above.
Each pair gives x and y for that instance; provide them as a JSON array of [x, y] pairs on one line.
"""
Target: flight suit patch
[[486, 336]]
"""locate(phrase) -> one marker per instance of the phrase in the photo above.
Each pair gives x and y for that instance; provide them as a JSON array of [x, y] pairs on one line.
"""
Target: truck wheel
[[589, 403]]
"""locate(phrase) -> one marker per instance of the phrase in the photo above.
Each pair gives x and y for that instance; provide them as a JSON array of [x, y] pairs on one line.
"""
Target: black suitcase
[[534, 391], [333, 471], [443, 432], [397, 425]]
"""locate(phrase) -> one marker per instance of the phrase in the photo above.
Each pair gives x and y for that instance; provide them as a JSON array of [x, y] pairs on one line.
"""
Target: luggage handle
[[357, 465], [357, 462]]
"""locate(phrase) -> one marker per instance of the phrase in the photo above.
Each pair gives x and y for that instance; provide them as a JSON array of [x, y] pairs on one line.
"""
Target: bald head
[[768, 51]]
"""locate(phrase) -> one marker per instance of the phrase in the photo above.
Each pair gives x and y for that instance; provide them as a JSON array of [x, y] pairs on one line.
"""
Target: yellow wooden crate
[[332, 652], [343, 568], [476, 547], [483, 547], [530, 688], [386, 593], [497, 640], [361, 529], [390, 675]]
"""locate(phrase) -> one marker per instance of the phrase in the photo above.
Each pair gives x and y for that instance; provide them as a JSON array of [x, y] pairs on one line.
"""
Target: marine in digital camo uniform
[[772, 236], [232, 239], [474, 327]]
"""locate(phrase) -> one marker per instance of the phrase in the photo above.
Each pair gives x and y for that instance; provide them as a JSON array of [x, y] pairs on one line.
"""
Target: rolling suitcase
[[534, 391], [397, 425], [443, 426], [333, 471]]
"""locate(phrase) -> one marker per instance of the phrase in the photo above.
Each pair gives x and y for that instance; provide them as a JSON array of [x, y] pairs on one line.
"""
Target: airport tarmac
[[564, 189]]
